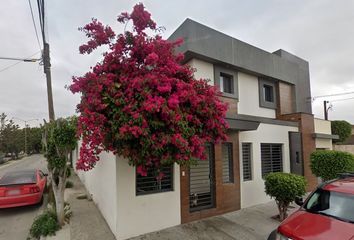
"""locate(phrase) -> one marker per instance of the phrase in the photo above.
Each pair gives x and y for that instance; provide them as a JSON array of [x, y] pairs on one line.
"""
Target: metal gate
[[202, 183]]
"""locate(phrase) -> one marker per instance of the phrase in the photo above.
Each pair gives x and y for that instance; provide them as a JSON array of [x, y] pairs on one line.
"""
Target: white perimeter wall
[[249, 97], [112, 185], [145, 213], [101, 183], [252, 192]]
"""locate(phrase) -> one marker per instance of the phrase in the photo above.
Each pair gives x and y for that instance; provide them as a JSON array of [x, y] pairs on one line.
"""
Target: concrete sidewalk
[[86, 222], [254, 223]]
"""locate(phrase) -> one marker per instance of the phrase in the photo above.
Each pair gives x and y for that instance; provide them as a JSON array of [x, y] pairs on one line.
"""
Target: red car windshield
[[332, 204], [20, 177]]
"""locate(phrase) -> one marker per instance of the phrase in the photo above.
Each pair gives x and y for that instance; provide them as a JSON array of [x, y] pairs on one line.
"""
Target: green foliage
[[61, 139], [44, 225], [341, 128], [327, 164], [69, 184], [285, 187]]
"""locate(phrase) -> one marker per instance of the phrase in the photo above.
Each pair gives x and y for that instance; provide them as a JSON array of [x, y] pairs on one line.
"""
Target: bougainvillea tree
[[140, 102]]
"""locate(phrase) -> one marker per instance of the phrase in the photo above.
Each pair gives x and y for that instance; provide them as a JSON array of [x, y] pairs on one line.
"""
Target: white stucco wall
[[249, 97], [252, 192], [145, 213], [204, 69], [324, 127], [344, 148], [101, 183]]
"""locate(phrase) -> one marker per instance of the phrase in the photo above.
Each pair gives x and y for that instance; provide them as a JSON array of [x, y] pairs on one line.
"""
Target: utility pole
[[46, 60], [325, 109]]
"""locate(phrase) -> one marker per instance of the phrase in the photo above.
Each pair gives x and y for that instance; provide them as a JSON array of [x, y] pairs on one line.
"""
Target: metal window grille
[[247, 161], [227, 163], [151, 184], [272, 158]]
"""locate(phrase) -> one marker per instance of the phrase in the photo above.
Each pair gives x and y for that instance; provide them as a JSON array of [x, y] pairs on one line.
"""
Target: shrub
[[44, 225], [341, 128], [69, 184], [327, 164], [284, 188]]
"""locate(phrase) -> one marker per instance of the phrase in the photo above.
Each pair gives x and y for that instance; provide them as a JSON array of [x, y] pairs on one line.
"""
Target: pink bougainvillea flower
[[140, 102]]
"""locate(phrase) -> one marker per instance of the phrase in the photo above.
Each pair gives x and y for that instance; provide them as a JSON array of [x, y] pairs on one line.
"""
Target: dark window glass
[[332, 204], [247, 161], [20, 177], [272, 158], [151, 184], [268, 93], [226, 83], [227, 163]]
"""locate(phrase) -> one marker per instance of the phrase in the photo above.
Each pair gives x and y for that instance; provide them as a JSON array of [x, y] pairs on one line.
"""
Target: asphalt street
[[16, 222]]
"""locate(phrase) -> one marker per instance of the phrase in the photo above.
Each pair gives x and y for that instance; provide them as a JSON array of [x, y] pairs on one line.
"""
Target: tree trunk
[[59, 199], [283, 210]]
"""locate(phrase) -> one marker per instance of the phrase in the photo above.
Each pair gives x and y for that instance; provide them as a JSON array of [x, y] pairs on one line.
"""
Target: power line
[[344, 99], [332, 95], [34, 24], [20, 61]]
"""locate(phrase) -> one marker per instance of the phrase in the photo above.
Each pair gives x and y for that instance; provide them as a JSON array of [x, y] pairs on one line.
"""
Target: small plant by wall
[[284, 188], [45, 224], [327, 164], [341, 128]]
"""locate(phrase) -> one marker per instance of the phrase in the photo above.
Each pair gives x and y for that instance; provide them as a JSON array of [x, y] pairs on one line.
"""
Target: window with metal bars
[[272, 158], [227, 163], [247, 161], [151, 184]]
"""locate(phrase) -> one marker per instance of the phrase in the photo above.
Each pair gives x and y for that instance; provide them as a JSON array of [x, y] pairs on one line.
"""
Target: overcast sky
[[320, 32]]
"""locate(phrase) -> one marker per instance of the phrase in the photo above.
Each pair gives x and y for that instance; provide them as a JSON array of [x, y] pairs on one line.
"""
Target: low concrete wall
[[145, 213], [344, 148]]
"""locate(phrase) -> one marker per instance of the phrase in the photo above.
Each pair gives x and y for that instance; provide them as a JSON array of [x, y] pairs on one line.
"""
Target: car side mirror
[[299, 201]]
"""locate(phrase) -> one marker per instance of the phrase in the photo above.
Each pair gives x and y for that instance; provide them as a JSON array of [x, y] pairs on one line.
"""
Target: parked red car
[[22, 188], [328, 213]]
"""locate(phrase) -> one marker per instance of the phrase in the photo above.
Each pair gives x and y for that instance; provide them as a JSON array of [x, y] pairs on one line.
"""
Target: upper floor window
[[267, 97], [268, 93], [152, 184], [226, 83], [226, 79]]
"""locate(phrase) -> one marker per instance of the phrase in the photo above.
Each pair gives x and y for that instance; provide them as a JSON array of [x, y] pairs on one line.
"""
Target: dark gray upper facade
[[213, 46]]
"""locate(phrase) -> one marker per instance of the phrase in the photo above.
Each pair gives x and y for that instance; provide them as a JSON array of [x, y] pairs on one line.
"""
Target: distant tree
[[11, 137], [34, 139], [341, 128]]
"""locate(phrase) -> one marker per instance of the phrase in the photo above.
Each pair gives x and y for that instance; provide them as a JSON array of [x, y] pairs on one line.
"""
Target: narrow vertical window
[[268, 93], [272, 158], [226, 83], [247, 161], [227, 163]]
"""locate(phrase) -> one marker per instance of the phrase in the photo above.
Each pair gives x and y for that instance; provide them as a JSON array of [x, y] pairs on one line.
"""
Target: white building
[[271, 130]]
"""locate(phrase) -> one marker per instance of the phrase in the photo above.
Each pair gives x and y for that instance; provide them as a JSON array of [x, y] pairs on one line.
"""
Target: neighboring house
[[272, 129], [323, 134], [347, 145]]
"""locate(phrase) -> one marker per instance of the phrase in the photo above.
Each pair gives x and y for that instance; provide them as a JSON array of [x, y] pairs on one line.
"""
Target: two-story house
[[271, 130]]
